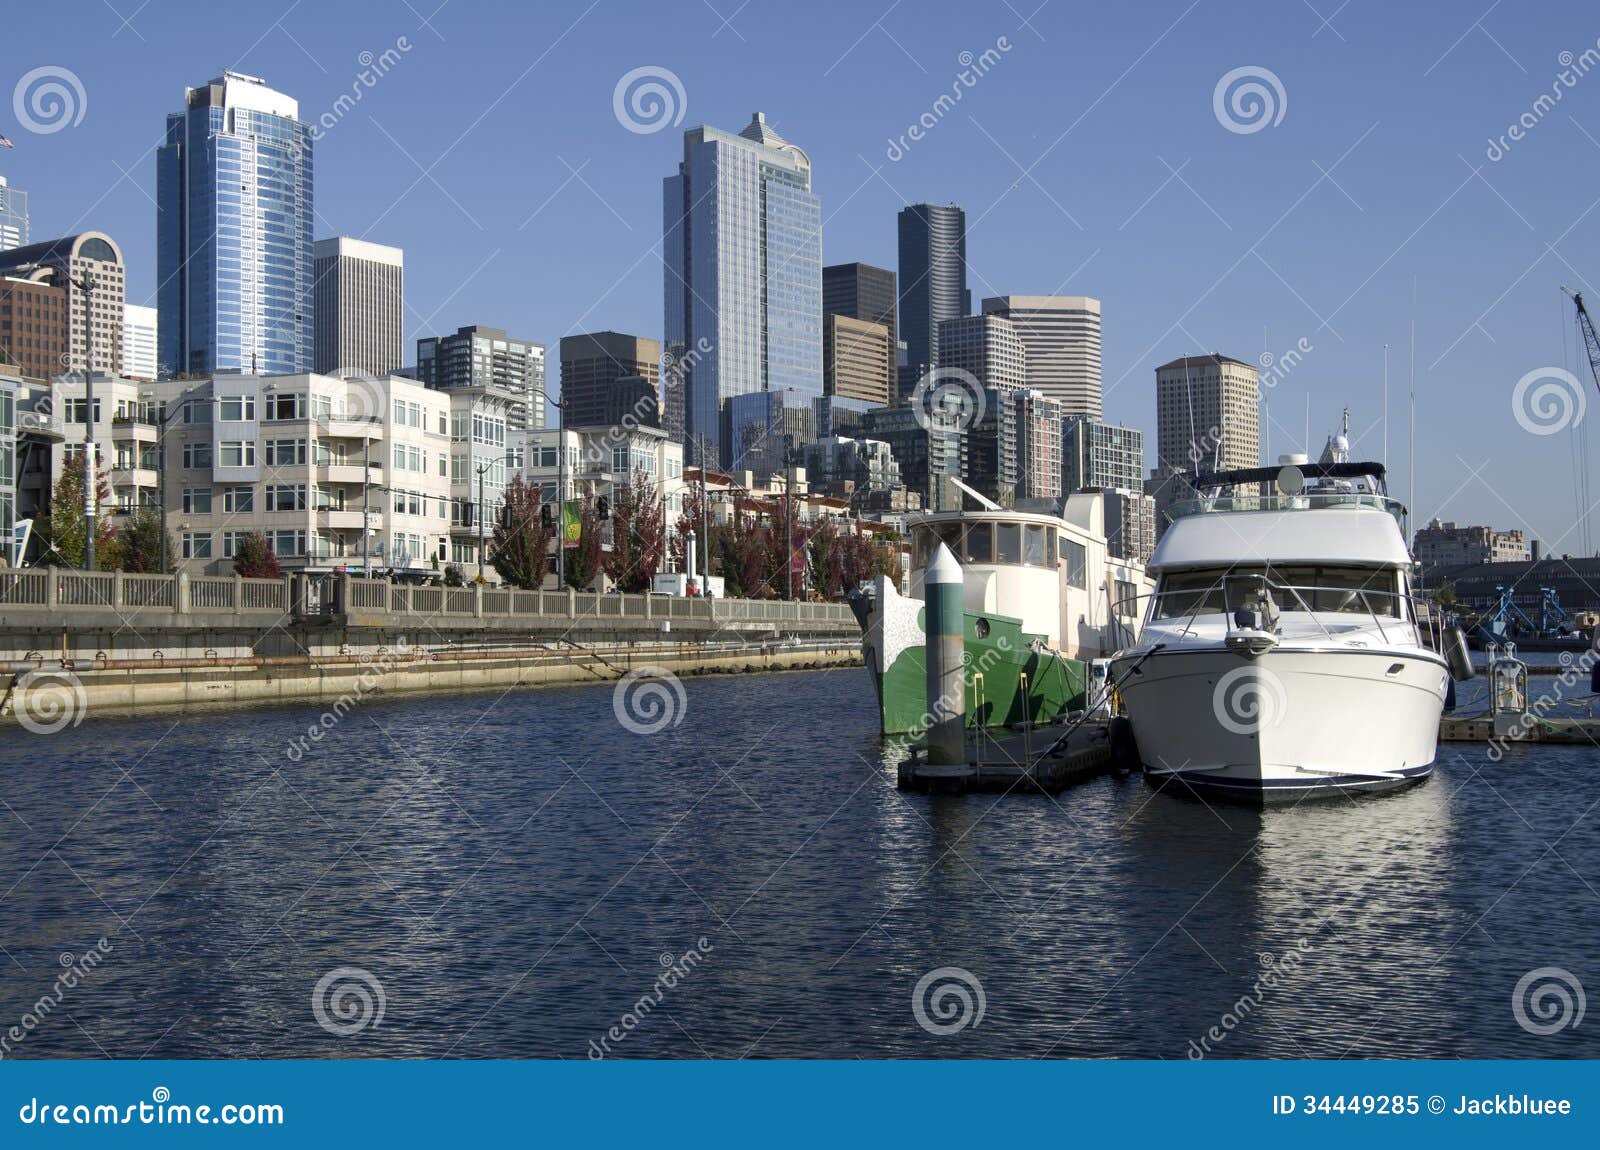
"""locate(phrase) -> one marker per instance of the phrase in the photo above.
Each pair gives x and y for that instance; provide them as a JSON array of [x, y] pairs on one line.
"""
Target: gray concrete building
[[359, 306]]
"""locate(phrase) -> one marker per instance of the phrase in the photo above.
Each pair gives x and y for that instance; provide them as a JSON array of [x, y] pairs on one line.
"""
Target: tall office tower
[[138, 341], [233, 233], [994, 463], [1096, 454], [1039, 420], [1207, 414], [986, 347], [359, 307], [478, 356], [70, 259], [857, 361], [600, 373], [933, 283], [13, 217], [860, 291], [742, 245], [1062, 336], [1130, 523]]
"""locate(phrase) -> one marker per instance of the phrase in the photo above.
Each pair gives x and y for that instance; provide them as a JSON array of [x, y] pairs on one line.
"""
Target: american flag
[[5, 143]]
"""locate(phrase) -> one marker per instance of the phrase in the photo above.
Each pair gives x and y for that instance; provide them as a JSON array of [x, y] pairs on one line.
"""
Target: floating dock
[[1014, 760]]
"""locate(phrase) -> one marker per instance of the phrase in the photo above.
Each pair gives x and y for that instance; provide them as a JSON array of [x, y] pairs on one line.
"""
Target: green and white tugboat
[[1040, 602]]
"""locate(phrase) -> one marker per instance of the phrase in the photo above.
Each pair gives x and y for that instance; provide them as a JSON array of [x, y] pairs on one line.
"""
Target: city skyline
[[1196, 237]]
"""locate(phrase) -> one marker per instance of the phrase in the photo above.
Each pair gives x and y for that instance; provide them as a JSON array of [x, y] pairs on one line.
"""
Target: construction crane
[[1590, 340]]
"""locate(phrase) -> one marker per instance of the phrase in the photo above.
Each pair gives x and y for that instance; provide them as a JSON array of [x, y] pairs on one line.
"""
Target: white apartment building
[[124, 435], [599, 459], [480, 447], [338, 474]]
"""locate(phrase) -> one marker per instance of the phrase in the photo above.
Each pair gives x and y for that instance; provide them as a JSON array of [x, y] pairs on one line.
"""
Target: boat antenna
[[1386, 407], [1188, 390], [1411, 498]]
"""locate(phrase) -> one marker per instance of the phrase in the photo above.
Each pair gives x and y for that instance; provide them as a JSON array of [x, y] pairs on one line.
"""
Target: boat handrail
[[1305, 501]]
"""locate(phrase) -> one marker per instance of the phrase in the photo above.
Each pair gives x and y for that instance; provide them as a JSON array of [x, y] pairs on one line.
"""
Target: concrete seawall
[[48, 691]]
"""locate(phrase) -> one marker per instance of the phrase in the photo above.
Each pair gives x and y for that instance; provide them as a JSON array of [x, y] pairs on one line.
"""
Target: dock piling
[[942, 582]]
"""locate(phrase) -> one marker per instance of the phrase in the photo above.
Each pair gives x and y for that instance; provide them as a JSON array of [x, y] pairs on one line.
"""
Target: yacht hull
[[1284, 725]]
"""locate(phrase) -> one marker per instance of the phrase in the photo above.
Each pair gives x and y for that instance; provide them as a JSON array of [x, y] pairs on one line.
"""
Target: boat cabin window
[[1075, 558], [1033, 545], [989, 542], [980, 543], [1356, 590]]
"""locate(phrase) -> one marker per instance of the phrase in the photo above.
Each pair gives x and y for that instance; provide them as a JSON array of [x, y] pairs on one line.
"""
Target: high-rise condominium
[[1062, 336], [487, 357], [64, 263], [359, 307], [1207, 414], [1097, 454], [933, 282], [985, 347], [233, 232], [742, 234]]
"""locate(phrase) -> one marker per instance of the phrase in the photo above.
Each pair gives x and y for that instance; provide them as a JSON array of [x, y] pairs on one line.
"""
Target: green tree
[[254, 558], [62, 527], [521, 545], [137, 547], [1446, 596]]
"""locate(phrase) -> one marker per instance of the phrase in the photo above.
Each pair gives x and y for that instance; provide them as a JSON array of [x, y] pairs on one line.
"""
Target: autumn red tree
[[521, 548], [638, 533]]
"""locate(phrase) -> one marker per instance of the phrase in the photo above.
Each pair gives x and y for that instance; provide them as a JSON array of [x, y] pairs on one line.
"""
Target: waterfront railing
[[51, 589]]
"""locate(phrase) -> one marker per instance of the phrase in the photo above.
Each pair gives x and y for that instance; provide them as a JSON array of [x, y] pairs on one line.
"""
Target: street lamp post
[[482, 467], [87, 285]]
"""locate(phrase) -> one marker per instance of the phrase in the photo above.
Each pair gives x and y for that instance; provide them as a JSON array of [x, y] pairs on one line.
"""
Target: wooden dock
[[1013, 760]]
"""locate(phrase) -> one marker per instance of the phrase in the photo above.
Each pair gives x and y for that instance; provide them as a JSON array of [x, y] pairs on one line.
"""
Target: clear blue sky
[[492, 154]]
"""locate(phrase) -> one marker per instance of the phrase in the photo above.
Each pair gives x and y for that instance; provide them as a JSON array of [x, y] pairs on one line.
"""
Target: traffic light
[[602, 507]]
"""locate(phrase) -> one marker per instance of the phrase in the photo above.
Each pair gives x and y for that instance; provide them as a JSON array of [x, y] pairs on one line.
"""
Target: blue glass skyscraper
[[233, 233], [743, 251]]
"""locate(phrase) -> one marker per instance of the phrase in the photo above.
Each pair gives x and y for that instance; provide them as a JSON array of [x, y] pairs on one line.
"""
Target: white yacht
[[1282, 654]]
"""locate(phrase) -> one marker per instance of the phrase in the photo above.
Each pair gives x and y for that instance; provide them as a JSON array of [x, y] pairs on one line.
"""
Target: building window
[[286, 497], [237, 408], [238, 453], [284, 407], [236, 500], [197, 501], [196, 456], [287, 543], [283, 452], [196, 545]]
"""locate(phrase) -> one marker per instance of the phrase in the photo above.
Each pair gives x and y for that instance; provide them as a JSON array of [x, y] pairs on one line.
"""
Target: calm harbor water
[[512, 870]]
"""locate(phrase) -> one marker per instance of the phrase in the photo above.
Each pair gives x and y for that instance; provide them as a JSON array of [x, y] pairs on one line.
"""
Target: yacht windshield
[[1358, 590]]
